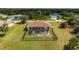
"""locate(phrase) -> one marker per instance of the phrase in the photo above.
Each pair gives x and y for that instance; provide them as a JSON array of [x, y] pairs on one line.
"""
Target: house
[[10, 19], [55, 16], [38, 27], [14, 16]]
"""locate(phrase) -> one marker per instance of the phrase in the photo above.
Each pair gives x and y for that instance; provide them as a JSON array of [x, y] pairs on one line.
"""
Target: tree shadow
[[24, 35], [25, 32], [2, 35], [53, 34], [73, 32], [66, 47]]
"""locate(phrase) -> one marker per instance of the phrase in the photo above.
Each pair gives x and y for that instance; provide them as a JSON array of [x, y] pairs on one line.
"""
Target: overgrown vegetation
[[63, 25], [73, 23], [73, 43], [39, 13]]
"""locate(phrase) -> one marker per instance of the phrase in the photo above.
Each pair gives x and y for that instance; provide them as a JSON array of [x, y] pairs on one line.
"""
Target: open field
[[13, 39]]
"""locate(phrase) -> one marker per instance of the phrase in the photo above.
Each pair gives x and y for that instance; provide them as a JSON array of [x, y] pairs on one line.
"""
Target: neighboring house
[[12, 17], [38, 27], [18, 16], [55, 16], [9, 21]]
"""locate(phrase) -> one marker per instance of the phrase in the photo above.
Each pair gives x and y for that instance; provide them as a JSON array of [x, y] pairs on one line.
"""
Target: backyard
[[13, 39]]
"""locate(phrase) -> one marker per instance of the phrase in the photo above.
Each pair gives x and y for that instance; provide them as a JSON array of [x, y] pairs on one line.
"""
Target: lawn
[[62, 34], [13, 39]]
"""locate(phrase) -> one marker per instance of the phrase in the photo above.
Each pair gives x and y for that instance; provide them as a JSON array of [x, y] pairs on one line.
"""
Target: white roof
[[12, 16], [56, 14]]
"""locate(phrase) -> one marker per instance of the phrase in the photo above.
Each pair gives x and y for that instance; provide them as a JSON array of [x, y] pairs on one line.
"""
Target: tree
[[73, 43], [63, 25], [24, 18], [4, 18]]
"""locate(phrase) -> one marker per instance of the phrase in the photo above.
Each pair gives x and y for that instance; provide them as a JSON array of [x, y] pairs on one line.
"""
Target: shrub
[[23, 21], [63, 25], [73, 43], [76, 30]]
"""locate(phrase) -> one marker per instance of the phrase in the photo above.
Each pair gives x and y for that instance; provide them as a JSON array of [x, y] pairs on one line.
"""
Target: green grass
[[13, 40], [62, 34], [49, 19], [61, 19]]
